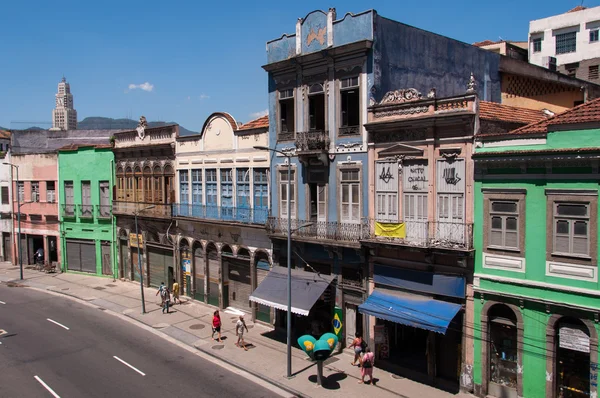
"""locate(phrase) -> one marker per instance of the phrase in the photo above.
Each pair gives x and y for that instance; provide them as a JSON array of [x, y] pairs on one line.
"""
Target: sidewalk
[[190, 323]]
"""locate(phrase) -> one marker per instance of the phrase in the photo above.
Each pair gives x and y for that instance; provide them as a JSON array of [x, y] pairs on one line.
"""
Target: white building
[[6, 223], [568, 42], [64, 116]]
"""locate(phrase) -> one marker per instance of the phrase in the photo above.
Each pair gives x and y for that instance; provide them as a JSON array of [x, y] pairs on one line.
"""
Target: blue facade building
[[322, 81]]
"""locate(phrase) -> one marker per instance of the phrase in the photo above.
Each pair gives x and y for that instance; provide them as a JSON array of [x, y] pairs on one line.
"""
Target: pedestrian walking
[[366, 368], [159, 291], [216, 326], [176, 292], [239, 332], [359, 345], [166, 297]]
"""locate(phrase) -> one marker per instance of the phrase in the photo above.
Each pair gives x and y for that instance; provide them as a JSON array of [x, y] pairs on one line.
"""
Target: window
[[284, 195], [386, 202], [197, 186], [35, 191], [571, 228], [286, 114], [104, 209], [350, 195], [21, 191], [261, 188], [5, 196], [566, 43], [316, 107], [69, 206], [243, 188], [537, 45], [504, 224], [593, 72], [571, 69], [86, 199], [184, 187], [120, 188], [594, 36], [350, 106], [50, 191], [211, 187]]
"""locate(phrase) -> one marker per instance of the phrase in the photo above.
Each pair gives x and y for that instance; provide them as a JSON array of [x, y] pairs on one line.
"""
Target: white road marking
[[47, 387], [2, 302], [126, 364], [56, 323]]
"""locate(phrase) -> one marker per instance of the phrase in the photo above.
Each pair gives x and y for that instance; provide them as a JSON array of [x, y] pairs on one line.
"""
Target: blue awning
[[412, 310]]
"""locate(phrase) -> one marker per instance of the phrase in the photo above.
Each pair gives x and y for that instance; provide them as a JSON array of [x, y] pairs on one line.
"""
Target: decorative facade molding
[[417, 134], [400, 112], [472, 85], [401, 96]]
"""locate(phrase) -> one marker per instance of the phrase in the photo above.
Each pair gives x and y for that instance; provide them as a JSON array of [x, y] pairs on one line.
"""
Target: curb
[[295, 393], [282, 386]]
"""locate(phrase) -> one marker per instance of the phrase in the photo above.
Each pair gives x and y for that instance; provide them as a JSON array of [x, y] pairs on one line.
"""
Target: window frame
[[588, 197], [197, 179], [282, 186], [562, 42], [571, 220], [594, 35], [347, 127], [504, 195], [34, 187], [260, 185], [286, 135], [184, 186], [351, 203], [536, 45], [50, 193], [504, 215], [5, 194]]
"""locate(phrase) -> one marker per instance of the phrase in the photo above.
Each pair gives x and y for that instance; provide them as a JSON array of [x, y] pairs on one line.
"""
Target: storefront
[[311, 305], [81, 255], [418, 321], [160, 265]]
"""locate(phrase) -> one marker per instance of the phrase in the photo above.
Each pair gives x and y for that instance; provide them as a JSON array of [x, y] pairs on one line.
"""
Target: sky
[[183, 60]]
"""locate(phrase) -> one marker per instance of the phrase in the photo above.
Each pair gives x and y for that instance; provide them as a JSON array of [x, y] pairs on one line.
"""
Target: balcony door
[[450, 183], [415, 187]]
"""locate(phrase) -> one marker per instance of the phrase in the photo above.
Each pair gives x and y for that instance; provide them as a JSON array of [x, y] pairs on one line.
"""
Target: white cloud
[[256, 115], [204, 96], [144, 86]]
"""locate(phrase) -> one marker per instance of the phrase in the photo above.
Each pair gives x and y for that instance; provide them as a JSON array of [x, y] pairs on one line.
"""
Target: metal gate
[[124, 259], [81, 255], [107, 268], [213, 278], [240, 282], [7, 247], [199, 274], [160, 259], [263, 312], [134, 263]]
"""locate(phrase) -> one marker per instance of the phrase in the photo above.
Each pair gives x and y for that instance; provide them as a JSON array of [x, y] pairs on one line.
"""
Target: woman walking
[[216, 326], [366, 368], [358, 346]]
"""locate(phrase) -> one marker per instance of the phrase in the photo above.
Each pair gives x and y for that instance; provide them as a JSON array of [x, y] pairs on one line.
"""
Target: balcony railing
[[130, 208], [86, 211], [104, 211], [430, 234], [68, 210], [314, 140], [222, 213], [348, 131], [320, 230]]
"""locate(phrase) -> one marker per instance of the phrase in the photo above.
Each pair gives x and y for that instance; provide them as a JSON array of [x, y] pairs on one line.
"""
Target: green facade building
[[536, 287], [87, 225]]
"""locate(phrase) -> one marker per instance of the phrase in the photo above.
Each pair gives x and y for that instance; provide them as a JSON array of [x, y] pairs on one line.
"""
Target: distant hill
[[107, 123]]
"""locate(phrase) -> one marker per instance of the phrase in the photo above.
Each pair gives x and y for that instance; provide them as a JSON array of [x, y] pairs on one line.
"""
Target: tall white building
[[64, 116], [569, 43]]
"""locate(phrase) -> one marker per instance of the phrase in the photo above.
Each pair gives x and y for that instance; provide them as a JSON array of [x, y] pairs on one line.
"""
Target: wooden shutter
[[86, 197], [386, 176]]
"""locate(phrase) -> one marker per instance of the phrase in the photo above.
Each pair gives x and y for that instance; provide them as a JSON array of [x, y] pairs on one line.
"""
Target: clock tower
[[64, 116]]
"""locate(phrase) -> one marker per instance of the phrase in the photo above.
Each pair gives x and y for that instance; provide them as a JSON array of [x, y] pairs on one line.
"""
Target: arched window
[[503, 351], [129, 190], [157, 184], [139, 192], [120, 184], [147, 173]]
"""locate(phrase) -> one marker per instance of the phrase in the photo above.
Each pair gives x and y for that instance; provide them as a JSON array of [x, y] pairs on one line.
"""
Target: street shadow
[[302, 370], [330, 382]]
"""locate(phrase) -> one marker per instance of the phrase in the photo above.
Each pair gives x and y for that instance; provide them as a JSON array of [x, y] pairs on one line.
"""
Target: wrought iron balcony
[[161, 210], [86, 211], [222, 213], [428, 234], [104, 211], [349, 131], [312, 141], [68, 210], [320, 230]]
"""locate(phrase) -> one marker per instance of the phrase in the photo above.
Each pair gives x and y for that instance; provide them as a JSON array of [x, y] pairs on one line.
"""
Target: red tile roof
[[506, 113], [4, 134], [584, 113], [578, 8], [260, 123], [485, 43]]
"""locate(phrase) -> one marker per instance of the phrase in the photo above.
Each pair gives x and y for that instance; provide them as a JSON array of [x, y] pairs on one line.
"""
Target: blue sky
[[197, 57]]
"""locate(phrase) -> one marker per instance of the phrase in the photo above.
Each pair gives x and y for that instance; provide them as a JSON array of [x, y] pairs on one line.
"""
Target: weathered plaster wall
[[533, 94]]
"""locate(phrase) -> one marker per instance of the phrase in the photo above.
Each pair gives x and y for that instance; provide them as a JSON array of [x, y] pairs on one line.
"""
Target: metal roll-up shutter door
[[88, 256], [134, 263], [107, 268], [199, 274], [124, 259], [156, 258], [73, 256], [240, 283], [213, 278], [263, 312]]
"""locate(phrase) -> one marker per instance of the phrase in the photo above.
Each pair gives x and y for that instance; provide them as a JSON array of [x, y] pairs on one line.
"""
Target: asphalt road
[[80, 361]]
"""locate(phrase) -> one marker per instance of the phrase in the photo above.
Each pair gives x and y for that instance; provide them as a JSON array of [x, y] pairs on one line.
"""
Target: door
[[263, 312], [451, 220], [88, 256], [240, 285], [317, 209], [123, 258], [350, 323], [73, 256], [86, 199], [213, 278], [104, 210], [107, 268], [7, 246], [69, 199], [415, 217], [159, 259], [199, 274]]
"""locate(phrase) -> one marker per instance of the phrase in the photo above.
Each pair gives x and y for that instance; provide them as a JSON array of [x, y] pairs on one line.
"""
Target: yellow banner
[[390, 230]]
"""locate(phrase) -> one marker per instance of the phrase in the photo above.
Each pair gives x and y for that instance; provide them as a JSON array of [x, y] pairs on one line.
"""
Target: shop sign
[[573, 339], [187, 266], [133, 241]]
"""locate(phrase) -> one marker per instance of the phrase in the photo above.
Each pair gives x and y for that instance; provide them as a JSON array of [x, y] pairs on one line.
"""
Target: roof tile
[[260, 123], [506, 113]]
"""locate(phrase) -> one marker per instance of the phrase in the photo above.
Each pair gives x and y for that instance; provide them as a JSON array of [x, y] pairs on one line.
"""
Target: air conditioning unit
[[549, 63]]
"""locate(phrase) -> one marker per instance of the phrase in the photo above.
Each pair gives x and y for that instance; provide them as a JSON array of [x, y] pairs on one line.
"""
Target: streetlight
[[18, 217], [137, 239]]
